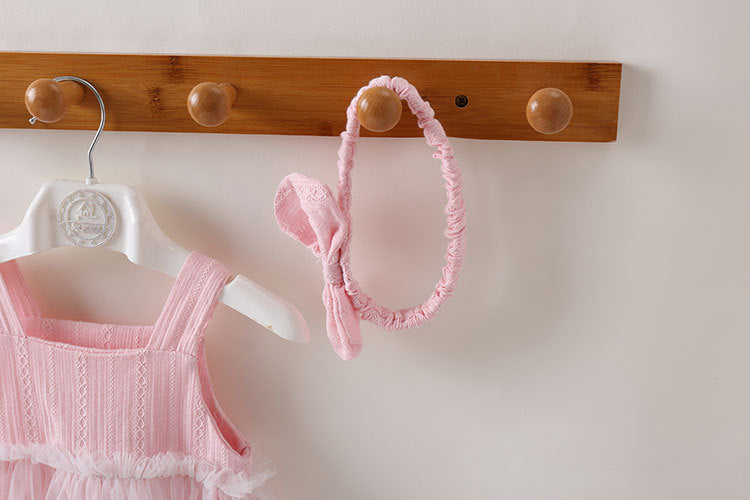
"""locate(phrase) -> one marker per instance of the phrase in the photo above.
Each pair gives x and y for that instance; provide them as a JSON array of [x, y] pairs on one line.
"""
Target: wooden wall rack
[[309, 96]]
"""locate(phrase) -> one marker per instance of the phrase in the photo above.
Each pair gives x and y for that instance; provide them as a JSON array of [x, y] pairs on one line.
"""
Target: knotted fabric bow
[[307, 211]]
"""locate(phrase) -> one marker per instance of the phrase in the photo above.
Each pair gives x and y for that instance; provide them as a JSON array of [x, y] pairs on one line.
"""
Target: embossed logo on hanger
[[86, 218]]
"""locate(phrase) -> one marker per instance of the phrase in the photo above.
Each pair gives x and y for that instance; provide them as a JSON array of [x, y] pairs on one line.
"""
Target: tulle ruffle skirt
[[24, 479]]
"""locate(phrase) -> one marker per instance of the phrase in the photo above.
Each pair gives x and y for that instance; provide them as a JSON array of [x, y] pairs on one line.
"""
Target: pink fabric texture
[[112, 411], [307, 211]]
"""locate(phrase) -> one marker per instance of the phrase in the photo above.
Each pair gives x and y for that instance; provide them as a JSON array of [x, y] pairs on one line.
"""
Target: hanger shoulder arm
[[38, 229], [14, 244], [265, 308]]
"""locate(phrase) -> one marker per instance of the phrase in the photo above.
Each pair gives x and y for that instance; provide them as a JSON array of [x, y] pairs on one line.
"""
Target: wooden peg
[[379, 109], [48, 100], [209, 103], [549, 110]]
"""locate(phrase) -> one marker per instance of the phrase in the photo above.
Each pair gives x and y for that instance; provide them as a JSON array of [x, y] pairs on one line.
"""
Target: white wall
[[597, 344]]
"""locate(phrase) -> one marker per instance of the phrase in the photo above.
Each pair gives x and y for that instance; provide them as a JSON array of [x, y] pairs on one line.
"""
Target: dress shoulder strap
[[15, 300], [190, 304]]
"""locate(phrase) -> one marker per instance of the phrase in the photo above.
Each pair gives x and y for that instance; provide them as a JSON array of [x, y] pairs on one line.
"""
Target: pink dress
[[112, 411]]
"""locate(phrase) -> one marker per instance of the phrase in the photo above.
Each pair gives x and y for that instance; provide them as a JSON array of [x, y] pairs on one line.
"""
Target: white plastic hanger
[[116, 217]]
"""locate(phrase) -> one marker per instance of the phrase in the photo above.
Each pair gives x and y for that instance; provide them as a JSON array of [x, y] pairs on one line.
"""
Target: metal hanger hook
[[91, 179]]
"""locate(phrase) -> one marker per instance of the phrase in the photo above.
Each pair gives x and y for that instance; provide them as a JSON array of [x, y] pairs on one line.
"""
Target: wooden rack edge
[[309, 96]]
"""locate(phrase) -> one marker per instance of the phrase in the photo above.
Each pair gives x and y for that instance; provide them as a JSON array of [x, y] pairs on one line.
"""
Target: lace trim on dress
[[132, 466]]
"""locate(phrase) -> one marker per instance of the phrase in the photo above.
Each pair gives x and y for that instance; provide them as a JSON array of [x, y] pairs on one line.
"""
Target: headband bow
[[307, 211]]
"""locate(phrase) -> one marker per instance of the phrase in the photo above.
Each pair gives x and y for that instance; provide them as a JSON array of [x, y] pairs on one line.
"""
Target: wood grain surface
[[309, 96]]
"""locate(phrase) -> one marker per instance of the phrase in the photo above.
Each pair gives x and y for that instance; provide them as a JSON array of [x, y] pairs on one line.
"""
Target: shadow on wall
[[636, 125], [526, 204]]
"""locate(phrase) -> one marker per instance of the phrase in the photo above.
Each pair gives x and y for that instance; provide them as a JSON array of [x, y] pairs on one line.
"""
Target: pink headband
[[307, 211]]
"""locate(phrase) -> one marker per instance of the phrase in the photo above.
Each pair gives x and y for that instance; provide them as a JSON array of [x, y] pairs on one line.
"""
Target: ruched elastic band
[[307, 211]]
